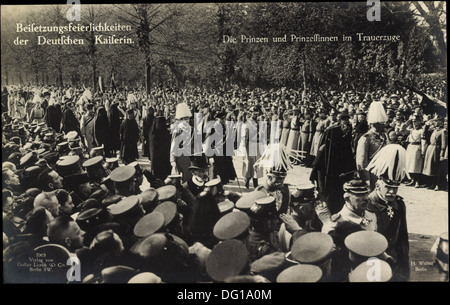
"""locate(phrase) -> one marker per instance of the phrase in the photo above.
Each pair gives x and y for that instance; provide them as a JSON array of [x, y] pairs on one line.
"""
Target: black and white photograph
[[224, 143]]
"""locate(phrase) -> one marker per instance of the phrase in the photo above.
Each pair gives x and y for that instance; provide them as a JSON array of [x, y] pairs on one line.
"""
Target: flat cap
[[122, 173], [228, 258], [231, 225], [168, 209], [312, 248], [366, 243], [166, 192], [304, 273], [363, 272], [149, 224]]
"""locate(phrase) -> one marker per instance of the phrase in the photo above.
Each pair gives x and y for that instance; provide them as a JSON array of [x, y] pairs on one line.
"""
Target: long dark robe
[[159, 148], [223, 164], [102, 131], [89, 123], [146, 126], [129, 137], [115, 120], [69, 121], [333, 159], [53, 117]]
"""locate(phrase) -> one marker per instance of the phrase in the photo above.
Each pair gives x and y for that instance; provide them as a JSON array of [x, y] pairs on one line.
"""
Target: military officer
[[389, 208], [372, 141]]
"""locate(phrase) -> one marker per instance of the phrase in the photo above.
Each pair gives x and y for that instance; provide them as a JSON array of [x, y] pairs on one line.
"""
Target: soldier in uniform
[[264, 221], [351, 218], [124, 180], [372, 141], [390, 210]]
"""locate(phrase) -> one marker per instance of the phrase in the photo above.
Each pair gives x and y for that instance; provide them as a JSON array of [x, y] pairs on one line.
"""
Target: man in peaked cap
[[234, 225], [390, 209], [364, 272], [228, 258], [300, 274], [363, 245], [264, 221], [164, 254], [124, 180]]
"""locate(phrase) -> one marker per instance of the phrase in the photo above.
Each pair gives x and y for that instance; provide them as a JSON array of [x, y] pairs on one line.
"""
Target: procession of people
[[75, 186]]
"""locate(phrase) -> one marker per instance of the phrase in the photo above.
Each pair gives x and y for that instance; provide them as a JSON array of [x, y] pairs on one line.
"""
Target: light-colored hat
[[182, 111], [376, 113], [389, 164]]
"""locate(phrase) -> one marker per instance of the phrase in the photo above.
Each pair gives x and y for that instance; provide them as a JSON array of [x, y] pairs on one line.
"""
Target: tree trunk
[[148, 68]]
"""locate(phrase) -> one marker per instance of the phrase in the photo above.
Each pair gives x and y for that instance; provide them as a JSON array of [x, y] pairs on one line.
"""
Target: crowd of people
[[72, 186]]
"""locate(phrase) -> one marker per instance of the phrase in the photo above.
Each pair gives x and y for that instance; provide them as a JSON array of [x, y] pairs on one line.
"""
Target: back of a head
[[57, 229], [47, 200]]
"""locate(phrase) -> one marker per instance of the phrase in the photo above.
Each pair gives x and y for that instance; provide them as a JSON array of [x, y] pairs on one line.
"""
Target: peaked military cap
[[117, 274], [149, 224], [228, 258], [356, 186], [68, 165], [312, 248], [166, 192], [93, 162], [231, 225], [366, 244], [125, 206], [145, 278], [362, 273], [122, 173], [169, 211], [304, 273]]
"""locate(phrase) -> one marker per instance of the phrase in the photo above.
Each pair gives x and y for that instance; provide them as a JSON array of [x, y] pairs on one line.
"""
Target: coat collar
[[379, 203]]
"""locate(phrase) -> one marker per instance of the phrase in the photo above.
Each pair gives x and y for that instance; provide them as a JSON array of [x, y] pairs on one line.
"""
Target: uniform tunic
[[368, 146], [391, 222]]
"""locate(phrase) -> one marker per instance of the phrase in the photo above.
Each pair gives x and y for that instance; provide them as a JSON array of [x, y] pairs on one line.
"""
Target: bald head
[[49, 201]]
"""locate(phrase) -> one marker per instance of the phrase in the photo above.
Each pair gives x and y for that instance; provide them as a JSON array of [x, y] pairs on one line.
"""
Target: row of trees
[[182, 44]]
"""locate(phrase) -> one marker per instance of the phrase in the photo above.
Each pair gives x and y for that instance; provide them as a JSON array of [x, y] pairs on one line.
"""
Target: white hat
[[376, 113], [389, 163], [182, 111]]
